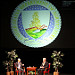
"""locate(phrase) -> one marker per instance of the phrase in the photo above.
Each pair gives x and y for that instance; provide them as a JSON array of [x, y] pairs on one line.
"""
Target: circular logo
[[35, 23]]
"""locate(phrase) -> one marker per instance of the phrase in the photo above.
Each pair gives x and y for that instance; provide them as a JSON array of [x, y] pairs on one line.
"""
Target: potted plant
[[57, 57], [11, 58], [6, 64]]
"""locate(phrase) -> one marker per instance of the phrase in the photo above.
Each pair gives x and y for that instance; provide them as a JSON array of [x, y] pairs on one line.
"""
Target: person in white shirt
[[19, 66], [44, 65]]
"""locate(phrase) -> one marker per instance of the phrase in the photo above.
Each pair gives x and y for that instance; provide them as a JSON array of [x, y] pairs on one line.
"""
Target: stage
[[46, 74], [65, 42]]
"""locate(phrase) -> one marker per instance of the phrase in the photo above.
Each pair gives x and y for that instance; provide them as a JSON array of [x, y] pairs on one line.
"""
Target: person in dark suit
[[43, 66], [19, 66]]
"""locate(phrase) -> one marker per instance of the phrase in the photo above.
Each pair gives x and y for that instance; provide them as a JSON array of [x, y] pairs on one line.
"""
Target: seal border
[[46, 41]]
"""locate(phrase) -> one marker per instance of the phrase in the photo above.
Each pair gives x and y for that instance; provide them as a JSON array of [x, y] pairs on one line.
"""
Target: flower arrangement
[[10, 60], [57, 57]]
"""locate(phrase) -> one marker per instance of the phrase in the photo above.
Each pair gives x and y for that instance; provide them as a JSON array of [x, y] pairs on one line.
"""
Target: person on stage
[[43, 66], [19, 66]]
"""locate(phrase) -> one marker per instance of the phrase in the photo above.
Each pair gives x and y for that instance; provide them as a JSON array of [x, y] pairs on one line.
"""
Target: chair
[[47, 70], [16, 71]]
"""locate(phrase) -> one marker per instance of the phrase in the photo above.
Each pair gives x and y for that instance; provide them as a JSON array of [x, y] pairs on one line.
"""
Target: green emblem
[[35, 23]]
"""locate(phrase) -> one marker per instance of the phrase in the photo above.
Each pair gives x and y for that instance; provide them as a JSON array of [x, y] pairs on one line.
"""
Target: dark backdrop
[[33, 56]]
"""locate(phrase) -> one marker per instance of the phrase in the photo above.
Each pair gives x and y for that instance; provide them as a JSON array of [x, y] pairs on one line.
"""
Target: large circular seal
[[35, 23]]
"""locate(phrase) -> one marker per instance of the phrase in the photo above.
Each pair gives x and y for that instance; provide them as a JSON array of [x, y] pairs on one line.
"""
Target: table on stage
[[31, 69]]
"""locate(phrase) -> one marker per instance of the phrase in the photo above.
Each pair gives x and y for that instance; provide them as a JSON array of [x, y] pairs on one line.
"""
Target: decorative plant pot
[[7, 73], [12, 72], [55, 73]]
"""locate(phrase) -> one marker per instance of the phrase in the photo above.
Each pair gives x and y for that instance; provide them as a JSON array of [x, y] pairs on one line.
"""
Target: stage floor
[[46, 74]]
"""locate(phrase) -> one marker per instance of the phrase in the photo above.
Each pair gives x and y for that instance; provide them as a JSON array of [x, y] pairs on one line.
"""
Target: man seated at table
[[43, 66], [19, 66]]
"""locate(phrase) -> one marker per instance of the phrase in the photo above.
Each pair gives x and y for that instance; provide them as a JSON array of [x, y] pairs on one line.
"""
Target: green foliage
[[57, 58], [5, 63], [10, 59]]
